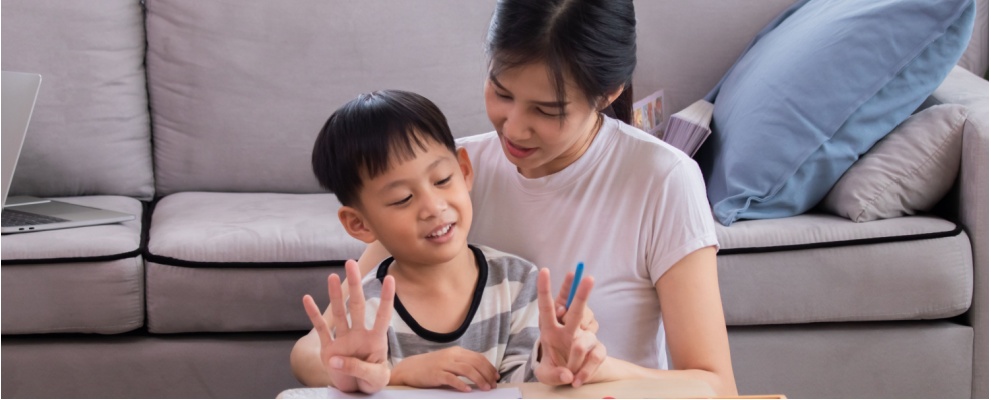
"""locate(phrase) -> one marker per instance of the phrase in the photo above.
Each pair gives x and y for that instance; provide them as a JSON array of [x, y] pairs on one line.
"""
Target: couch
[[199, 118]]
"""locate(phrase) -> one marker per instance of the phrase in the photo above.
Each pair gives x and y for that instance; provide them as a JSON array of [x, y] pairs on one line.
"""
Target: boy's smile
[[418, 208]]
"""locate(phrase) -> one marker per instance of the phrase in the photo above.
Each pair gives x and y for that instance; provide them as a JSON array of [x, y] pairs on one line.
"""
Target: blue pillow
[[817, 88]]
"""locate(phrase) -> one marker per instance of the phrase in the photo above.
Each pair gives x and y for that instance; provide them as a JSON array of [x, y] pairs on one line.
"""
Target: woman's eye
[[403, 201], [445, 180], [503, 96], [548, 114]]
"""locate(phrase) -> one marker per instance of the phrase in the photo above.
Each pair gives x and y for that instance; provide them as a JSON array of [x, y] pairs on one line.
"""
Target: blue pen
[[574, 283]]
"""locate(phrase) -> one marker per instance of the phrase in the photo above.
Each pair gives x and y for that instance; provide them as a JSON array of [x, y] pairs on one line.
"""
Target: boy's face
[[418, 209]]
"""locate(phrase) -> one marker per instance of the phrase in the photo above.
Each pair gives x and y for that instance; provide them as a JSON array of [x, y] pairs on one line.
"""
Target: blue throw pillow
[[817, 88]]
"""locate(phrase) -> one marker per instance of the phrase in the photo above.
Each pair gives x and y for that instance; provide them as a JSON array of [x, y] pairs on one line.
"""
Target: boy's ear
[[466, 169], [354, 223]]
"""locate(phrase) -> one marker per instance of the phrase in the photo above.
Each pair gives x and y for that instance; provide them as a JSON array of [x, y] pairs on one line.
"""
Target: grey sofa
[[199, 117]]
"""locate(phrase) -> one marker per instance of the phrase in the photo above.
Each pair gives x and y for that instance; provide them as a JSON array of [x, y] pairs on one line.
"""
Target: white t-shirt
[[629, 208]]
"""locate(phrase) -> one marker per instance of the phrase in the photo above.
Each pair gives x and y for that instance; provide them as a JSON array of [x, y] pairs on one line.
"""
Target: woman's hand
[[569, 354], [355, 357], [444, 367]]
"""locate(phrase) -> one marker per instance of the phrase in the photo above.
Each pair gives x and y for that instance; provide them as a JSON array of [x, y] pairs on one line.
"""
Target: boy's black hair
[[594, 42], [364, 136]]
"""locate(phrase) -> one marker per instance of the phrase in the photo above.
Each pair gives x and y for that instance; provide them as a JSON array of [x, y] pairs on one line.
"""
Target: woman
[[560, 182]]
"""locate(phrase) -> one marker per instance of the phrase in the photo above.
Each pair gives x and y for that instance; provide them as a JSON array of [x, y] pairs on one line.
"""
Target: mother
[[560, 182]]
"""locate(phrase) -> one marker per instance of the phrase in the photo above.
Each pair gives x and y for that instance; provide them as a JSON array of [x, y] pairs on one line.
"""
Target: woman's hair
[[371, 132], [592, 42]]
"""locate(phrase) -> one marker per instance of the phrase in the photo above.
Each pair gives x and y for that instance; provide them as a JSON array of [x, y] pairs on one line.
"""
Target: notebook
[[25, 213]]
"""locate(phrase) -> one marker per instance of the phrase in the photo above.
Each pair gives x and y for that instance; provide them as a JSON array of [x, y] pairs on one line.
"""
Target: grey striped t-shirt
[[501, 323]]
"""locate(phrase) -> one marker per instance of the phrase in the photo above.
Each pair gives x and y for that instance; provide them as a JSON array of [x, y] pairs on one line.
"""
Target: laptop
[[25, 213]]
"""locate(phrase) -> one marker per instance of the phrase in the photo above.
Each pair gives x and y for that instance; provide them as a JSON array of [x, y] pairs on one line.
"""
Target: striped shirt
[[501, 323]]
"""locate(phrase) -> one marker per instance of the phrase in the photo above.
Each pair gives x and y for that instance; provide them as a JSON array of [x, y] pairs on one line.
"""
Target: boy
[[461, 310]]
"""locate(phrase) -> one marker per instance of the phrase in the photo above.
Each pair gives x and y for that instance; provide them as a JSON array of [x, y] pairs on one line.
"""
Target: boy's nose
[[433, 206]]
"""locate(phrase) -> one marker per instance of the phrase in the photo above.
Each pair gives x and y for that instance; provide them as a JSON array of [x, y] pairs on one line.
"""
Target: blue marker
[[574, 284]]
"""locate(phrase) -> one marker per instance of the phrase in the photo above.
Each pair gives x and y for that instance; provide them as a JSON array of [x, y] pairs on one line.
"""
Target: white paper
[[332, 393]]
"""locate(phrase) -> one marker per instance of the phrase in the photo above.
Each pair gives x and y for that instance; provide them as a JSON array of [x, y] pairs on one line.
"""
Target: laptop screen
[[20, 90]]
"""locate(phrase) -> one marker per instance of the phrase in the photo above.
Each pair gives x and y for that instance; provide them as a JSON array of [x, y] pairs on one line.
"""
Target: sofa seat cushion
[[79, 280], [232, 262], [824, 268]]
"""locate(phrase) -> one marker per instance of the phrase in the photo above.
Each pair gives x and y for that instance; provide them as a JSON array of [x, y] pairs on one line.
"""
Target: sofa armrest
[[964, 88]]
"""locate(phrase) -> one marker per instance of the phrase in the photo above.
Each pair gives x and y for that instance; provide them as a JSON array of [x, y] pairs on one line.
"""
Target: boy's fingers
[[337, 304], [473, 374], [453, 381], [356, 298], [544, 303], [354, 367], [319, 324], [384, 314]]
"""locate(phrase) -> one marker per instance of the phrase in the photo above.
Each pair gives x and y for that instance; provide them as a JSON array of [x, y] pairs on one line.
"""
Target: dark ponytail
[[592, 42]]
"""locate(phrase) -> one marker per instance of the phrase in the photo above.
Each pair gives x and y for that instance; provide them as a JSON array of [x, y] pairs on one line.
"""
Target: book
[[648, 113], [687, 129]]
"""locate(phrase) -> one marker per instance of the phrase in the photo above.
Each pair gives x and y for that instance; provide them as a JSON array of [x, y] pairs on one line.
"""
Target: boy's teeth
[[441, 232]]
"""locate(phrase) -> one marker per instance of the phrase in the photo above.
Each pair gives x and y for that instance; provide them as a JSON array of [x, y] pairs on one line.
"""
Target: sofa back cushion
[[239, 89], [90, 131]]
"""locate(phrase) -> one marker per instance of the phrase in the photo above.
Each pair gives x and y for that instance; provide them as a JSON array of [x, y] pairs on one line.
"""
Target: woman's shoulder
[[643, 151]]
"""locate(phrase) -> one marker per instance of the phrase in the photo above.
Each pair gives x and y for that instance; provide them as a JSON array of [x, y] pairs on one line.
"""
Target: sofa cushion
[[908, 171], [79, 280], [90, 131], [229, 262], [229, 81], [822, 268], [817, 89]]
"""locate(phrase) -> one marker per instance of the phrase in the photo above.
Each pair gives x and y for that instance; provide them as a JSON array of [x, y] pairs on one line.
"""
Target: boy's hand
[[355, 357], [444, 367], [570, 353]]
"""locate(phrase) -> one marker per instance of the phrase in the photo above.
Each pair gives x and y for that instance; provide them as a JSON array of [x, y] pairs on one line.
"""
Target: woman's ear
[[611, 97], [466, 169], [354, 223]]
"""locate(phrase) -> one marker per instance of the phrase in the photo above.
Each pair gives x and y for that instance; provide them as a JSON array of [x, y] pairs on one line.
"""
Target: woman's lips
[[517, 151]]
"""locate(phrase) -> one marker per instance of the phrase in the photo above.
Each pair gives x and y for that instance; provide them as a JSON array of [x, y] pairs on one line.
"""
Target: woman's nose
[[514, 126]]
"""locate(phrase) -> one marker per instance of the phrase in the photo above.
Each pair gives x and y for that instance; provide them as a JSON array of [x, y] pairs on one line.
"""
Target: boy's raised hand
[[355, 357], [570, 351], [445, 367]]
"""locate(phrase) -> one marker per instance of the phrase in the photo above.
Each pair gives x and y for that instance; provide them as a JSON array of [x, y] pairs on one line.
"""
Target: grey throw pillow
[[906, 172]]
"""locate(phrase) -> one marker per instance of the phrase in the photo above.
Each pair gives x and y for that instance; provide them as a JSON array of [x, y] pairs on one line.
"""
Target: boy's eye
[[445, 180], [403, 201]]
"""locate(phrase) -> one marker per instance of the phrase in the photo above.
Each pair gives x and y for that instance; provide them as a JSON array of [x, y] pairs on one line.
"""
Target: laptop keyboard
[[20, 218]]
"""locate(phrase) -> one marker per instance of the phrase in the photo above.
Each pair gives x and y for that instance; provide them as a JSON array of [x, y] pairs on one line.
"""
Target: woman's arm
[[305, 355], [694, 324]]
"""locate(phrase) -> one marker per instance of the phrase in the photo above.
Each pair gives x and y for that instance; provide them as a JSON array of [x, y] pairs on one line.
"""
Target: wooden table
[[625, 389]]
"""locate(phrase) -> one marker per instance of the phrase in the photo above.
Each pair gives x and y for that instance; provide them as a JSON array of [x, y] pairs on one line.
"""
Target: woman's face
[[523, 107]]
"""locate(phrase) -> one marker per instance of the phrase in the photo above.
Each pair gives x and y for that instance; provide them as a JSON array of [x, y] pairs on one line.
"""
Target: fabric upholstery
[[872, 273], [90, 130], [243, 261], [228, 366], [971, 202], [868, 360], [231, 80], [688, 69], [80, 280], [822, 83], [906, 172]]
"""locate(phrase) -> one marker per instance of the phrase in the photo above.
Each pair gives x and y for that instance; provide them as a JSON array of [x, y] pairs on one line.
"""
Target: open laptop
[[26, 213]]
